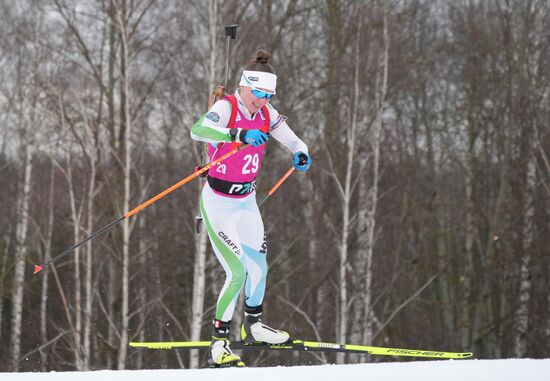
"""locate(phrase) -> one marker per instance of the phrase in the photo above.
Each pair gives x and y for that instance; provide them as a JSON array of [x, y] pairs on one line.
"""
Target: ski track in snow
[[452, 370]]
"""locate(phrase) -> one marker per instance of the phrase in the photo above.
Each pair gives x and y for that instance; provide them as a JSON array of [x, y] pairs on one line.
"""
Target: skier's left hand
[[301, 161]]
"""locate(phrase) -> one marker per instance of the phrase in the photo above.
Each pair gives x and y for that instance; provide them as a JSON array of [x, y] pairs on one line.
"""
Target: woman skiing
[[228, 200]]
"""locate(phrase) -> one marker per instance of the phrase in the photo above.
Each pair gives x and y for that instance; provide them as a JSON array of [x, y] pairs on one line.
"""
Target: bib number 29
[[251, 163]]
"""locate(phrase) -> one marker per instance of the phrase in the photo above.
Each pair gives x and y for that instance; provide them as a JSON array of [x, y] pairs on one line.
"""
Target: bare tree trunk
[[346, 194], [142, 295], [212, 31], [125, 78], [522, 310], [20, 253], [75, 216], [359, 317], [199, 270], [45, 276], [343, 291], [381, 93], [113, 145], [88, 270], [197, 315], [6, 243], [86, 352], [468, 271]]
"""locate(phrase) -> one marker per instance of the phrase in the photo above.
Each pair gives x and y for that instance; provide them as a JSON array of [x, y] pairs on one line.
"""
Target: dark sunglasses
[[261, 94]]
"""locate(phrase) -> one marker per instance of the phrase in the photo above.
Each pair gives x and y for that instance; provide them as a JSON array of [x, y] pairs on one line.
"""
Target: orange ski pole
[[38, 268], [277, 185]]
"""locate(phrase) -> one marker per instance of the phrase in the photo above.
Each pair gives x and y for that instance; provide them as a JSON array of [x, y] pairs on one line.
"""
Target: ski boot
[[254, 330], [221, 355]]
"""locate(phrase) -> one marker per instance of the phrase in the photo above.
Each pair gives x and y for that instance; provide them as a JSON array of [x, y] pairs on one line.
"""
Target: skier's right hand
[[255, 138]]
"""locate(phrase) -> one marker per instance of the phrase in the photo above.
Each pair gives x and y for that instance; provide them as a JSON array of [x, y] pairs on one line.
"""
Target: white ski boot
[[255, 331], [221, 354]]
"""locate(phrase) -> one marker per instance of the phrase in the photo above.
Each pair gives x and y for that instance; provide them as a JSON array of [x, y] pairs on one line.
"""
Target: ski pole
[[231, 34], [277, 185], [281, 180], [38, 268]]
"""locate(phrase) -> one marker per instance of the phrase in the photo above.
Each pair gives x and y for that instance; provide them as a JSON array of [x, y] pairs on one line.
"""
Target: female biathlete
[[228, 200]]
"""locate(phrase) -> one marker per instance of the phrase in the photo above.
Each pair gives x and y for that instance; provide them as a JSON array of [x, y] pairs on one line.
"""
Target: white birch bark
[[358, 318], [88, 287], [142, 295], [66, 11], [346, 199], [45, 276], [125, 78], [369, 316], [75, 217], [533, 67], [346, 194], [522, 310], [198, 294], [20, 253], [199, 270]]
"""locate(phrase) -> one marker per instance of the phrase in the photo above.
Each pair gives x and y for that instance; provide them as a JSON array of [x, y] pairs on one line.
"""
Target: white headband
[[259, 80]]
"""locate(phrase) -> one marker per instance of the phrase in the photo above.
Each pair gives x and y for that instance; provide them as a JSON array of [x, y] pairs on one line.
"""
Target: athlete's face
[[252, 103]]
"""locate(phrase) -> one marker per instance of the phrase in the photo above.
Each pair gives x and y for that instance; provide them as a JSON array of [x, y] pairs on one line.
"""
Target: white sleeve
[[212, 127], [283, 134]]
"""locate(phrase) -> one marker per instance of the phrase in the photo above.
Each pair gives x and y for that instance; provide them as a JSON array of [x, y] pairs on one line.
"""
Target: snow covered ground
[[454, 370]]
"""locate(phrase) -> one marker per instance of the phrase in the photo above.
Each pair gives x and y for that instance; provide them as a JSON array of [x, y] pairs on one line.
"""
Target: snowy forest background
[[422, 223]]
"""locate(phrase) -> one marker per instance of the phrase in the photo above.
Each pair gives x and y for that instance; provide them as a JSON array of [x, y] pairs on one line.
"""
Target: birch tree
[[370, 239], [341, 141], [345, 189], [522, 311], [21, 239], [97, 63], [47, 244], [27, 121], [531, 74], [199, 270], [122, 23], [91, 154]]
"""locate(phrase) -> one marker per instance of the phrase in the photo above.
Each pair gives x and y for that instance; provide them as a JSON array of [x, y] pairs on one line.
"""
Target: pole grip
[[231, 34], [231, 31]]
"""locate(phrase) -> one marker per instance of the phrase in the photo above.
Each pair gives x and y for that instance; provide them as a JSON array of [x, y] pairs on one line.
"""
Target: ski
[[309, 346]]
